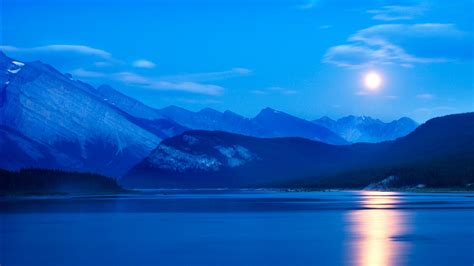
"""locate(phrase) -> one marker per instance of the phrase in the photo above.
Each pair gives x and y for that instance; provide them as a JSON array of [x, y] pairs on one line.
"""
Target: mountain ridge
[[367, 129], [60, 122], [80, 130], [219, 159]]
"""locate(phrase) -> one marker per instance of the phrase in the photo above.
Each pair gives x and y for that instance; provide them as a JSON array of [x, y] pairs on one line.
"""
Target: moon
[[372, 80]]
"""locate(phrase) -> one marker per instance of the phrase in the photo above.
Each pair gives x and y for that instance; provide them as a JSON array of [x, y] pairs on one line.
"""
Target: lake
[[240, 227]]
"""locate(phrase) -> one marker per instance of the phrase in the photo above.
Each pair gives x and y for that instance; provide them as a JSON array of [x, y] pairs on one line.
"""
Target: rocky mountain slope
[[48, 117], [219, 159]]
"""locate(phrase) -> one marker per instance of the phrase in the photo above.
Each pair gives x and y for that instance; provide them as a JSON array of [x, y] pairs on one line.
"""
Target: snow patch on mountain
[[18, 63], [168, 158], [236, 155], [15, 67], [14, 70]]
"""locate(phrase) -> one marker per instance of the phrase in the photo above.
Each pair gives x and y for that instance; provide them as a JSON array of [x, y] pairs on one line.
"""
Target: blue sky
[[307, 58]]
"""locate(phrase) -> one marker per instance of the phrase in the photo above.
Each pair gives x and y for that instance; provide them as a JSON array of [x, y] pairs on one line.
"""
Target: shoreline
[[167, 191]]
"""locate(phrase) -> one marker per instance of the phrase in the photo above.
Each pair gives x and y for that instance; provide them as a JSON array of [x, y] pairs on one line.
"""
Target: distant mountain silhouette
[[441, 151], [210, 119], [268, 123], [280, 124], [366, 129]]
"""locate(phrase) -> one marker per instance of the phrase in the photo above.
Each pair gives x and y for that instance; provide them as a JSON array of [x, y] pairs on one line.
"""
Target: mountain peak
[[405, 119], [232, 114], [210, 111], [267, 111], [326, 119], [173, 108], [357, 119], [367, 129]]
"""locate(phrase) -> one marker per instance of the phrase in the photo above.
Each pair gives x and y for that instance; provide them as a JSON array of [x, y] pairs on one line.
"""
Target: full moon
[[372, 80]]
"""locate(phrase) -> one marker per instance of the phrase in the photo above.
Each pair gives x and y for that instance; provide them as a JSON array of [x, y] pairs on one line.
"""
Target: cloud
[[362, 93], [195, 82], [210, 76], [391, 97], [193, 87], [133, 79], [275, 90], [425, 113], [70, 56], [435, 111], [151, 83], [307, 5], [63, 56], [396, 12], [143, 63], [102, 64], [79, 49], [425, 96], [402, 44], [82, 73]]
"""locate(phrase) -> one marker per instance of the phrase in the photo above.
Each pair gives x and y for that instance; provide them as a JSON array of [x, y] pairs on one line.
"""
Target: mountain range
[[269, 123], [366, 129], [441, 151], [50, 120]]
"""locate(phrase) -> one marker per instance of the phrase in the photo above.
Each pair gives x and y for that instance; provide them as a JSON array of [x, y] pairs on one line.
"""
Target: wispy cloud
[[210, 76], [133, 79], [364, 93], [309, 4], [65, 56], [396, 12], [275, 90], [437, 110], [424, 113], [80, 49], [84, 56], [324, 27], [425, 96], [402, 44], [151, 83], [390, 97], [143, 63], [83, 73], [102, 64]]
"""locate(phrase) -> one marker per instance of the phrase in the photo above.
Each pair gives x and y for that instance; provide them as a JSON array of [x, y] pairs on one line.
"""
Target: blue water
[[239, 228]]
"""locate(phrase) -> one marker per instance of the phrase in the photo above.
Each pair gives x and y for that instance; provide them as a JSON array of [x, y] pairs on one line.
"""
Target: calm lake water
[[240, 228]]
